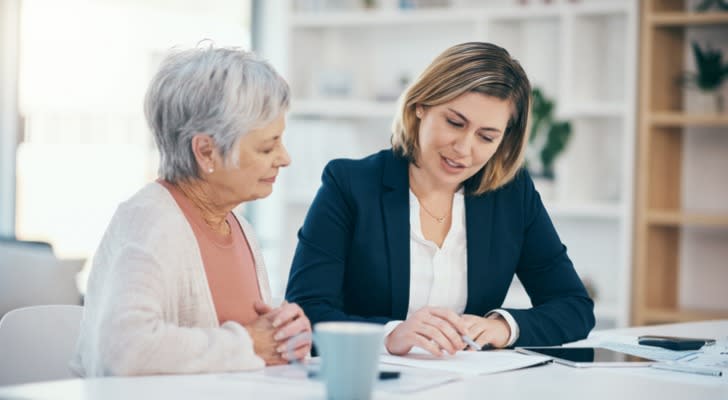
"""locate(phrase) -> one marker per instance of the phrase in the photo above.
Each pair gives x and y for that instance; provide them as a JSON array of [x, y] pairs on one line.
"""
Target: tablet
[[588, 356]]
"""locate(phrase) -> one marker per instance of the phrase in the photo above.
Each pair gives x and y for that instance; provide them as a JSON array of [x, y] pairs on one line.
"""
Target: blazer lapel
[[395, 208], [478, 227]]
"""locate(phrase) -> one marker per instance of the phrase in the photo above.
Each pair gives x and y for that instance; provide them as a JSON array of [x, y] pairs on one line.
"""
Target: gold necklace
[[438, 219]]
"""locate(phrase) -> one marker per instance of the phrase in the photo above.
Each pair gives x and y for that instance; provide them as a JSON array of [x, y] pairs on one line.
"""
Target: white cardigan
[[148, 308]]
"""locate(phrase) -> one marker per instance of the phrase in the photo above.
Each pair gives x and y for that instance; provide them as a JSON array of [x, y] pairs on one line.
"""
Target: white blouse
[[439, 275]]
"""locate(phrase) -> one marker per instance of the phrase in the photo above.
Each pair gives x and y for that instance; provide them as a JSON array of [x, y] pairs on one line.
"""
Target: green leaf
[[543, 123], [709, 63], [703, 6], [558, 137], [541, 110]]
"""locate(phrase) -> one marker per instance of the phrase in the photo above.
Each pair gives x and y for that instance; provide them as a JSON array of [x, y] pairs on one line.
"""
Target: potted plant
[[706, 5], [548, 138], [704, 85]]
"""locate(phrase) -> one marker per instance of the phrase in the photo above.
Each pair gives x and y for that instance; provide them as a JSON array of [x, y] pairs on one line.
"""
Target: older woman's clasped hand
[[280, 334]]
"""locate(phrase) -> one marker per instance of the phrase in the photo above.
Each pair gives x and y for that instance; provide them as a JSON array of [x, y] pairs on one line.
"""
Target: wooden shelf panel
[[665, 31], [660, 315], [683, 19], [677, 218], [681, 119]]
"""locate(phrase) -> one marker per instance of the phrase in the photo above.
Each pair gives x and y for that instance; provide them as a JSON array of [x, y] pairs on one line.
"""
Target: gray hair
[[222, 92]]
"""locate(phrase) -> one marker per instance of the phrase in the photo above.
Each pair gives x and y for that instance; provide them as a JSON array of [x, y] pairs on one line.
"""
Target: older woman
[[178, 284], [426, 237]]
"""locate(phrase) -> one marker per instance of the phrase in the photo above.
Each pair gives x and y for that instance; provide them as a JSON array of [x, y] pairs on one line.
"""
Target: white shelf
[[364, 18], [582, 54], [600, 8], [343, 108], [518, 298], [593, 110], [370, 18], [593, 210]]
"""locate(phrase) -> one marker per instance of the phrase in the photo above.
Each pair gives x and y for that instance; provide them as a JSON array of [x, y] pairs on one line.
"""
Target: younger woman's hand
[[494, 331], [431, 328]]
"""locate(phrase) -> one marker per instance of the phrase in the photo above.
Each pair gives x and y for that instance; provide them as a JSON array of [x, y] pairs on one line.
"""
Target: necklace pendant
[[440, 220]]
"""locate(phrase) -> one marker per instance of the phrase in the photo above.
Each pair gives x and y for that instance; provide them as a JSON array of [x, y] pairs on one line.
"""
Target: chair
[[37, 343], [31, 244], [30, 275]]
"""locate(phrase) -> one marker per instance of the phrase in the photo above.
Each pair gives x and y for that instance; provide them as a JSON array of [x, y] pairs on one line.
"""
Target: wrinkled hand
[[432, 328], [262, 331], [292, 330], [487, 330]]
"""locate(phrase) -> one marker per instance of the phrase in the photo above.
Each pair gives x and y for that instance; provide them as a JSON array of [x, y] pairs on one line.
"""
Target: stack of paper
[[467, 362]]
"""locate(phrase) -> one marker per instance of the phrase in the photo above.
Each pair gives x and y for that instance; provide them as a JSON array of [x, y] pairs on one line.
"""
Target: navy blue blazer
[[352, 262]]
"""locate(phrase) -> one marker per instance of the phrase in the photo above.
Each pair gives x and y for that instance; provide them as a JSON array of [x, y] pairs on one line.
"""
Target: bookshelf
[[582, 54], [681, 212]]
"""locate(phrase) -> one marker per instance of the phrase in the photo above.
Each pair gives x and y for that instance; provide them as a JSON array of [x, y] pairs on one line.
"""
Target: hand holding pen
[[472, 345], [435, 329], [487, 331]]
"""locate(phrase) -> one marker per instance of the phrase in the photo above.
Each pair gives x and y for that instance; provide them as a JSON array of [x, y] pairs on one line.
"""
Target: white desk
[[545, 382]]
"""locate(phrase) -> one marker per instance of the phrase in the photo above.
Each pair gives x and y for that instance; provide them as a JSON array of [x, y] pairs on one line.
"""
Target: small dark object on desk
[[673, 342], [383, 375]]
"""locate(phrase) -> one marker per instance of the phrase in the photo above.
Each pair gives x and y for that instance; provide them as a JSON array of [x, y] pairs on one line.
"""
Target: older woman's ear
[[203, 147]]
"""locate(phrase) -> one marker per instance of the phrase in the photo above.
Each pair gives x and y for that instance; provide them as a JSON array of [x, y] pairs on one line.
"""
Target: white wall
[[9, 20], [85, 65], [102, 53]]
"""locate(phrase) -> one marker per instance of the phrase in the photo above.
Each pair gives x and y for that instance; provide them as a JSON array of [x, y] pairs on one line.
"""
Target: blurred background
[[630, 156]]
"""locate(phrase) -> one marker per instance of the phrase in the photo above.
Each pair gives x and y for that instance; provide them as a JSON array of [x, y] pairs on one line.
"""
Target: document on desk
[[410, 380], [711, 360], [467, 362]]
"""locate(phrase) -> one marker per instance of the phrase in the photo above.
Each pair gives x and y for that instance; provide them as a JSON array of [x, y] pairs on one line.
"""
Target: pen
[[688, 369], [471, 343]]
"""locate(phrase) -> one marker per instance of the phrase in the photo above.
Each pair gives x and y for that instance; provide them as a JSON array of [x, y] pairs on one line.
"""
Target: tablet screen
[[587, 354]]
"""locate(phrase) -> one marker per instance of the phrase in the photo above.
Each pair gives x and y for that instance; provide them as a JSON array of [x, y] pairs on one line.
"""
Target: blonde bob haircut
[[470, 67]]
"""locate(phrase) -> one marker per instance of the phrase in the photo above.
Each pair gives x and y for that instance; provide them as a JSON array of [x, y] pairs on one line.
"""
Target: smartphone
[[674, 342]]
